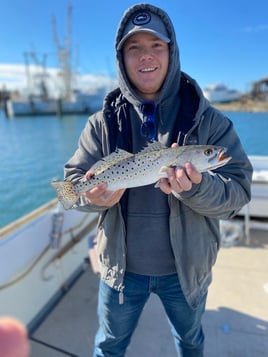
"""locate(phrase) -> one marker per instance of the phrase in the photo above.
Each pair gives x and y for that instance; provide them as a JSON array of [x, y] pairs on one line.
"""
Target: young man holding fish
[[163, 240]]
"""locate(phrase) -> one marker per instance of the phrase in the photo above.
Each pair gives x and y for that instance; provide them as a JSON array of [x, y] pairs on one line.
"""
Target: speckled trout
[[122, 169]]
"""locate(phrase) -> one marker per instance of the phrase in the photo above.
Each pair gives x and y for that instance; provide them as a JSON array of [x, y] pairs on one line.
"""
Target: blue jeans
[[117, 322]]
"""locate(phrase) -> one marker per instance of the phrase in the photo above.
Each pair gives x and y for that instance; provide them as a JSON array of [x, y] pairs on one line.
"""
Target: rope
[[25, 272], [62, 251]]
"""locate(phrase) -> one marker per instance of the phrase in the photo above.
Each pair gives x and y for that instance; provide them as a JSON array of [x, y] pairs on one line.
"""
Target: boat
[[47, 247], [79, 103], [256, 212], [219, 93], [49, 281], [235, 321], [258, 207], [39, 100], [41, 253]]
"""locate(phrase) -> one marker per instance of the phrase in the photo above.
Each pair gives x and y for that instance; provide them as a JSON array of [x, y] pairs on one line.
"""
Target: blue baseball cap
[[144, 21]]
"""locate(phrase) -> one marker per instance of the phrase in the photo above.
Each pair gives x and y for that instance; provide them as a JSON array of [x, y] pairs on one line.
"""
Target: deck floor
[[235, 322]]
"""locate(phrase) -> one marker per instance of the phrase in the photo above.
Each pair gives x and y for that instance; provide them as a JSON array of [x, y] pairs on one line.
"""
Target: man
[[157, 240]]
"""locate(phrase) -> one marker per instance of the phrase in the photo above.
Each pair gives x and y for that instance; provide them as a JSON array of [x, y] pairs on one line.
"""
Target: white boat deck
[[235, 322]]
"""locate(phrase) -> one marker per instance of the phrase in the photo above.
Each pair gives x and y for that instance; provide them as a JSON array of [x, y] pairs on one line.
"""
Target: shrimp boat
[[79, 103], [41, 85]]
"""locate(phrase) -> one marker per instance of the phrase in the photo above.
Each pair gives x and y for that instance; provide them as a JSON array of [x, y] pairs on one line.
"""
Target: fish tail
[[66, 194]]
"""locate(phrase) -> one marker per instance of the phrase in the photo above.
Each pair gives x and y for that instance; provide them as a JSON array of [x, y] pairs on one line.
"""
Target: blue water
[[252, 129], [34, 150]]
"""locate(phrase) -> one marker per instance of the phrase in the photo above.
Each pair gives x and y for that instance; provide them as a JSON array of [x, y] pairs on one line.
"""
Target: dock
[[235, 321]]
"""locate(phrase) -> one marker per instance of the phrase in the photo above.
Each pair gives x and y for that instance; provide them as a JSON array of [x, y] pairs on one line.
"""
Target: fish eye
[[208, 152]]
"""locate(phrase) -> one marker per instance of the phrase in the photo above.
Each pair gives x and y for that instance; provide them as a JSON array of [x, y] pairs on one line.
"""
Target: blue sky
[[220, 40]]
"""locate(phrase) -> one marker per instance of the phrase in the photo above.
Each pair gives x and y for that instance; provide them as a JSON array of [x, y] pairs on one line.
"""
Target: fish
[[122, 169]]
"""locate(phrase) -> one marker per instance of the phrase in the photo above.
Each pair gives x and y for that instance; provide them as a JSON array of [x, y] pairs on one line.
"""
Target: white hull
[[32, 271], [219, 93], [82, 103]]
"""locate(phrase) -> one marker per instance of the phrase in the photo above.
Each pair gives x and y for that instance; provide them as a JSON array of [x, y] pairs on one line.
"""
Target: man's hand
[[180, 178], [100, 196]]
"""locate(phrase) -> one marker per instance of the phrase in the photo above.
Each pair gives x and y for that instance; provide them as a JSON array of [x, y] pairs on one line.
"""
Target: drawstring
[[121, 296]]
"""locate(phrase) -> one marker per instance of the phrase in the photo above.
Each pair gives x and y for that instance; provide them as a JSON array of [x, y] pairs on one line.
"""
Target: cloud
[[257, 28], [12, 76], [17, 77]]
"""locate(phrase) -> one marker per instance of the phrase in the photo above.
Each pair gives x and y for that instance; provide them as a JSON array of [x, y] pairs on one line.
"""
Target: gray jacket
[[194, 215]]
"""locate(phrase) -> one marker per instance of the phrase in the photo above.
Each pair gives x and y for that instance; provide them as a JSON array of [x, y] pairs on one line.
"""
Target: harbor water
[[34, 150]]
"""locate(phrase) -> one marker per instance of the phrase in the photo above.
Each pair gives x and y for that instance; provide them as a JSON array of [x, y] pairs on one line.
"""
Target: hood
[[172, 82]]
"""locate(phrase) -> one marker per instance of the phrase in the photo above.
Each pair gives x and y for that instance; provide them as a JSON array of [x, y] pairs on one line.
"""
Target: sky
[[220, 41]]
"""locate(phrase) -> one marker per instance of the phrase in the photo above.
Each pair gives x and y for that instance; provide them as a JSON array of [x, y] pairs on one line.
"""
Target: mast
[[28, 76], [39, 77], [42, 75], [64, 54]]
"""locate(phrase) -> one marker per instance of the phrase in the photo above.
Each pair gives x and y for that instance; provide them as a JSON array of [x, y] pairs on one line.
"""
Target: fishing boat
[[219, 93], [41, 253], [39, 99], [79, 103], [47, 246], [256, 212], [49, 281], [258, 207]]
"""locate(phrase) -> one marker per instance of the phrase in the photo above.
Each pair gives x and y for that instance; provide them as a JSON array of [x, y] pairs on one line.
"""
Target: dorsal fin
[[109, 160], [154, 146]]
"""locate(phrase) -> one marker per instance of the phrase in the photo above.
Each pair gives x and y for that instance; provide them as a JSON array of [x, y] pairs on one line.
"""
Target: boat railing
[[17, 224]]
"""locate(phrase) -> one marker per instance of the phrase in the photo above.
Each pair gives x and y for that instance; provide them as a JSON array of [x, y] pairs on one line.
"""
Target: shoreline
[[242, 106]]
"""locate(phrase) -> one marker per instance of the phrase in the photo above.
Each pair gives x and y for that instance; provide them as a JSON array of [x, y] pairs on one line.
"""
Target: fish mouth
[[222, 156]]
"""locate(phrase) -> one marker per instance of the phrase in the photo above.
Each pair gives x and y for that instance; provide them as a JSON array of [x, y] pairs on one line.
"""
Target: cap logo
[[141, 18]]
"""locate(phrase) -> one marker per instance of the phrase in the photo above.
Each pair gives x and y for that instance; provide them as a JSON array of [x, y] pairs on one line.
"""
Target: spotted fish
[[122, 169]]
